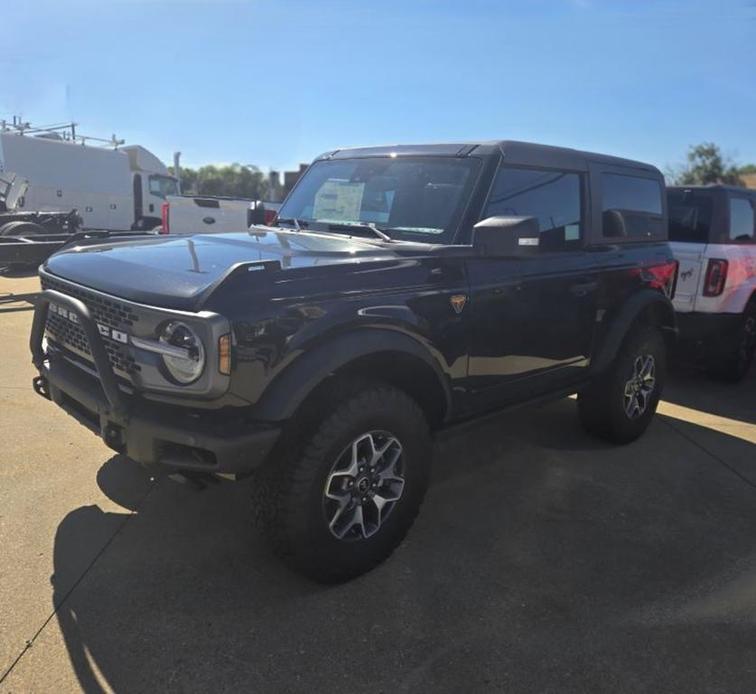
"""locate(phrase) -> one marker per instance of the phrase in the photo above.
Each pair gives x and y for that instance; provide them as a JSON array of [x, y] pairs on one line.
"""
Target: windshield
[[410, 198], [689, 216], [163, 185]]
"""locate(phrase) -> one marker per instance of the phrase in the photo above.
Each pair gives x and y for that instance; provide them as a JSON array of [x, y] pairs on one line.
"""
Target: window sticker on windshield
[[339, 201]]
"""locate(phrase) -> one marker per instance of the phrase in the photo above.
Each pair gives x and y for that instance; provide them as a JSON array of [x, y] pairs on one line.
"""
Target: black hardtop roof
[[715, 187], [512, 150]]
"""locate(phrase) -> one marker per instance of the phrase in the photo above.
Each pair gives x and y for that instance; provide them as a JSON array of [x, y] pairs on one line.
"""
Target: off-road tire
[[288, 492], [601, 407], [732, 360]]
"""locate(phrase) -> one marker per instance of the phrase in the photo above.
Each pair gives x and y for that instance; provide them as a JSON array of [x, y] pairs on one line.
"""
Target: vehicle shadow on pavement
[[18, 272], [690, 386], [80, 531], [542, 560]]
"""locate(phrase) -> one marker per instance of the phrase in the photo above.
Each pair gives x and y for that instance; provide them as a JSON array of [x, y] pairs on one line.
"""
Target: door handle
[[583, 288]]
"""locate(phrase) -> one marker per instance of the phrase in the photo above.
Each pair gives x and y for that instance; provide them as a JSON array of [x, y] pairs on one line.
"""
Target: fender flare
[[288, 390], [627, 315]]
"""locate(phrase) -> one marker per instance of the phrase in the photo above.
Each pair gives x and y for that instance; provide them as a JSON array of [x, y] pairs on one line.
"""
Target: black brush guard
[[117, 408], [148, 432]]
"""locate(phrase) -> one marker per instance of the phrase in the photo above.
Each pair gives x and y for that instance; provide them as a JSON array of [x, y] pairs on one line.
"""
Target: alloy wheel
[[364, 485], [640, 386]]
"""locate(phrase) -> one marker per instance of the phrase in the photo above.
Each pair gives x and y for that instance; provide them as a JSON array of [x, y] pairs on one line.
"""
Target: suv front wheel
[[620, 404], [346, 494]]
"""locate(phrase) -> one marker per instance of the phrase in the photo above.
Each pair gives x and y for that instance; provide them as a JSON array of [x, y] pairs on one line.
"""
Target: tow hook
[[113, 436], [39, 383]]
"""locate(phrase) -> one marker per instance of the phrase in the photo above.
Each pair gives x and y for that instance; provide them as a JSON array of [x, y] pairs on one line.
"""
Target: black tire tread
[[281, 489], [724, 362], [596, 409]]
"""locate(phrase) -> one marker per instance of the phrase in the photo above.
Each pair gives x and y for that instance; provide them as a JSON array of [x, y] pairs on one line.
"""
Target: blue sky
[[275, 83]]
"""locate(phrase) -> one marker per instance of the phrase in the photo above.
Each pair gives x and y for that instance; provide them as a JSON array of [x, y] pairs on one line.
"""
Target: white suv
[[712, 231]]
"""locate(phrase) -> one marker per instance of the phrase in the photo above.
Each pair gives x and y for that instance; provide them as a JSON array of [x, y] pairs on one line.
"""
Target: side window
[[552, 197], [690, 215], [631, 206], [741, 219], [161, 186]]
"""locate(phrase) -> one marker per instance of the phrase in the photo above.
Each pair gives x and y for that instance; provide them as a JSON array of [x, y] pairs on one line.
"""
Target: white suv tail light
[[716, 276]]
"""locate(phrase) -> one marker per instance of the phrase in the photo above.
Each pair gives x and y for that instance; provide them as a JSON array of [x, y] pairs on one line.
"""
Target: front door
[[532, 320], [138, 204]]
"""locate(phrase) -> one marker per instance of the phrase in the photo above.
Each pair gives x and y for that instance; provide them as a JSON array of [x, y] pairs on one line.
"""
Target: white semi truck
[[112, 187]]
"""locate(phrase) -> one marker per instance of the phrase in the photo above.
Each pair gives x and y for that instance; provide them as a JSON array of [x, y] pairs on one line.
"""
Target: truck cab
[[152, 184]]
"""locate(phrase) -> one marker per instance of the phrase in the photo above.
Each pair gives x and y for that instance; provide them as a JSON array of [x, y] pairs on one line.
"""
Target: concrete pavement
[[542, 561]]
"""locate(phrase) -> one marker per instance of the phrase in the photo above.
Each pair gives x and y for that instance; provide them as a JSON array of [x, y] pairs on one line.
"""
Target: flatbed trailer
[[32, 250], [21, 253]]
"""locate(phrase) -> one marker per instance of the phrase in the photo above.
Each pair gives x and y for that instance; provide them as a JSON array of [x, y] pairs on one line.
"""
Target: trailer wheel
[[20, 228]]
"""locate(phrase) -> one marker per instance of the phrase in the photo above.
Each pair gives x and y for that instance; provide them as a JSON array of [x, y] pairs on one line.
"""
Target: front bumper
[[219, 441], [696, 326]]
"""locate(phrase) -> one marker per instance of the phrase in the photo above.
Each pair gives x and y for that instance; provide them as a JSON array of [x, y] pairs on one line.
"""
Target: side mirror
[[256, 214], [506, 237]]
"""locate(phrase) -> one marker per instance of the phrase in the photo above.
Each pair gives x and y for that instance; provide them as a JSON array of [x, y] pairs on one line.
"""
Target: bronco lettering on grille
[[105, 330], [112, 333]]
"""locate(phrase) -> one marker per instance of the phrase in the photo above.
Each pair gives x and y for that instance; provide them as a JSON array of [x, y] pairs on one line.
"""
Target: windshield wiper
[[372, 226], [292, 220]]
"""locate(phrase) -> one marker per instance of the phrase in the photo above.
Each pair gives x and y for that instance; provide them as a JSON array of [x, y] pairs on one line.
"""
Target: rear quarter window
[[632, 207], [690, 216], [741, 219]]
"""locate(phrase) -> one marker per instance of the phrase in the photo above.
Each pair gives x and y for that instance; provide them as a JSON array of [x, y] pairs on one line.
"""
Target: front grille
[[112, 313]]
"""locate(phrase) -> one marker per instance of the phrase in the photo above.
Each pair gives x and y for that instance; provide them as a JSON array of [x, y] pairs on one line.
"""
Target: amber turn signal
[[224, 354]]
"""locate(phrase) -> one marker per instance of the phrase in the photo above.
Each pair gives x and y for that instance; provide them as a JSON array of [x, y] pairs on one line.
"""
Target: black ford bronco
[[400, 290]]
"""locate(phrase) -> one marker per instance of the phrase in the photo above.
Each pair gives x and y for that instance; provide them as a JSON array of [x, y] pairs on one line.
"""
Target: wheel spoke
[[638, 367], [372, 454], [392, 489], [343, 505], [648, 387], [647, 372], [388, 471], [356, 520], [380, 452], [380, 502], [353, 465], [340, 495]]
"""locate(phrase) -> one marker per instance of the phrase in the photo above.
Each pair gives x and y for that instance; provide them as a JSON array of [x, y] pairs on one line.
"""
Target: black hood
[[175, 271]]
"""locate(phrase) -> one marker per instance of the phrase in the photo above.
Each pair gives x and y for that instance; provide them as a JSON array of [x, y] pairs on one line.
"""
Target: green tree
[[706, 164], [231, 180]]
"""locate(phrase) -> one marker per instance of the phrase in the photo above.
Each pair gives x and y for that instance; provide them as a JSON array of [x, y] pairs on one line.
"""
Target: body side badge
[[458, 302]]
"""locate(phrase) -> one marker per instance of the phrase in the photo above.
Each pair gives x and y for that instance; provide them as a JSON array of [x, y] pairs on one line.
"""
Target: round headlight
[[188, 361]]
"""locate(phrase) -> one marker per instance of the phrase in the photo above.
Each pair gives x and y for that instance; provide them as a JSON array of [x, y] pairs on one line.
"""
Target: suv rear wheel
[[732, 361], [619, 406], [346, 494]]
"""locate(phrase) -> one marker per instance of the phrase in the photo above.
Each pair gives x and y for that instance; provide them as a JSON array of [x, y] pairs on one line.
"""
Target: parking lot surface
[[542, 560]]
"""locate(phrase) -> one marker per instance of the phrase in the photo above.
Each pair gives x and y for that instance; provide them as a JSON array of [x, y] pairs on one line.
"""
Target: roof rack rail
[[58, 131]]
